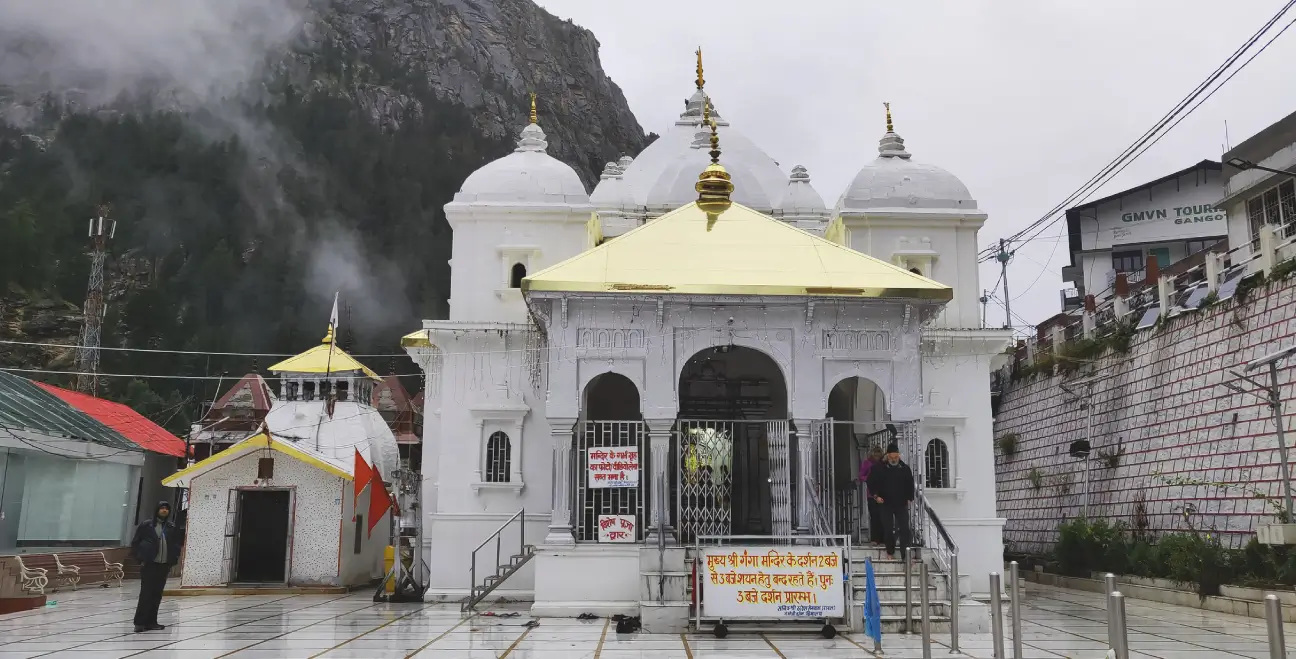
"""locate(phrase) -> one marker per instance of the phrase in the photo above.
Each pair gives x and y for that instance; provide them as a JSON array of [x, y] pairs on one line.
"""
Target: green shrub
[[1008, 443], [1086, 546]]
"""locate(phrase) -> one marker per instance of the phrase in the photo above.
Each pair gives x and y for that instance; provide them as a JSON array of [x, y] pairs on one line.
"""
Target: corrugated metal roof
[[127, 422], [25, 406]]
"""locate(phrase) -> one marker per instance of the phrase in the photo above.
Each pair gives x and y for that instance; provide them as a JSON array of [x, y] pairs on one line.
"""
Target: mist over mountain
[[259, 156]]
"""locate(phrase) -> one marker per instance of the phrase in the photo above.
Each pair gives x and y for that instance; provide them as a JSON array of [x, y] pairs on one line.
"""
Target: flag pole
[[329, 340]]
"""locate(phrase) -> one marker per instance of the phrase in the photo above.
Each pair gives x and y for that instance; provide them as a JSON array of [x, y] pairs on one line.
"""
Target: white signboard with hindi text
[[773, 582], [614, 466], [616, 528]]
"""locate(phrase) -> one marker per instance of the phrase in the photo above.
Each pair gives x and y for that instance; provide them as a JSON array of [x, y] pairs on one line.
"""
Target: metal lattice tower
[[101, 229]]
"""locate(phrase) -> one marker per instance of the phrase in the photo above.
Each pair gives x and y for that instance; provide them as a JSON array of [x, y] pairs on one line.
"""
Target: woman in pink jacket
[[874, 511]]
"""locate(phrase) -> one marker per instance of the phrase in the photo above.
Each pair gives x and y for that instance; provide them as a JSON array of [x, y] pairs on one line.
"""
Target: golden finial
[[533, 110], [328, 338], [890, 128], [714, 185], [701, 82]]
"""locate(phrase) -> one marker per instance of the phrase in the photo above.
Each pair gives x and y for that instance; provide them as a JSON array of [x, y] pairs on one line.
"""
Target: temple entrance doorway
[[860, 423], [732, 445]]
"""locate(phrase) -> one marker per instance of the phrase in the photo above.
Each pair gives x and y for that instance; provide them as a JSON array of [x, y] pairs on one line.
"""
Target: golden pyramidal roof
[[738, 251], [323, 358]]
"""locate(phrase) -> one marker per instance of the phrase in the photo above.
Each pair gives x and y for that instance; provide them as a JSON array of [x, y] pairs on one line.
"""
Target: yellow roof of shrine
[[324, 358], [737, 251]]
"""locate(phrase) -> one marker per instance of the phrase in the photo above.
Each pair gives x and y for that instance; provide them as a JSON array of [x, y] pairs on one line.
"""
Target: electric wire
[[1133, 151]]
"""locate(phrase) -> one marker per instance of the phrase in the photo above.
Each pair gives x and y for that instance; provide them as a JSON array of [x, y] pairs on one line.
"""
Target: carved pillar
[[658, 492], [803, 447], [560, 524]]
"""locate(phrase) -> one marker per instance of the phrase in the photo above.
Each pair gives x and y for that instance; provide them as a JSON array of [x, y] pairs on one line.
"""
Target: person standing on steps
[[156, 545], [891, 485], [873, 508]]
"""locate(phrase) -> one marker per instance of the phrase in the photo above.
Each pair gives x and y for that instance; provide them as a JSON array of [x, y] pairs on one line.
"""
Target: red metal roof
[[130, 424]]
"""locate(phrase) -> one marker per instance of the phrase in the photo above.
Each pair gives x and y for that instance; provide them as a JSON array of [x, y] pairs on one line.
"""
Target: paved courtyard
[[96, 624]]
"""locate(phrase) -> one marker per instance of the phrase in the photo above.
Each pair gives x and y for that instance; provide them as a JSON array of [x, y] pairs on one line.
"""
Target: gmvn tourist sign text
[[768, 582], [614, 467]]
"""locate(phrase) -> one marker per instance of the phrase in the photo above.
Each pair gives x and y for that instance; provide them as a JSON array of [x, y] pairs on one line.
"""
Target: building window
[[342, 387], [1277, 205], [293, 388], [938, 464], [498, 457], [1127, 261], [1194, 246], [358, 544], [916, 271], [517, 275], [308, 390]]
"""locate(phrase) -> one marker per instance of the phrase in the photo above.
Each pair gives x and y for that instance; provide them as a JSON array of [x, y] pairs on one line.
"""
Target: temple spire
[[701, 81], [714, 185], [533, 109], [890, 126]]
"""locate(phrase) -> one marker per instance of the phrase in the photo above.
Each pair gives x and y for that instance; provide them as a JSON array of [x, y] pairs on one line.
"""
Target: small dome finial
[[533, 110], [890, 126], [328, 338], [701, 81]]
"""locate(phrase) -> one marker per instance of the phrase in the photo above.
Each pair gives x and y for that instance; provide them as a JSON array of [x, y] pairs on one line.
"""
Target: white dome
[[801, 199], [893, 181], [526, 176], [610, 193], [662, 177]]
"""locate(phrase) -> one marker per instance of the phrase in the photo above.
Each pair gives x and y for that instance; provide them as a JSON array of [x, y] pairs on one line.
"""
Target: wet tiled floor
[[96, 624]]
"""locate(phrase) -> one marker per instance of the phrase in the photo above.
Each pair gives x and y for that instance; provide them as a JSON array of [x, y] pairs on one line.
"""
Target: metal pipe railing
[[954, 603], [497, 536], [908, 576], [923, 601]]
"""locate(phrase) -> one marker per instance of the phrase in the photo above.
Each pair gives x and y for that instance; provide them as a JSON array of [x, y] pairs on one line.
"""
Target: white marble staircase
[[666, 590]]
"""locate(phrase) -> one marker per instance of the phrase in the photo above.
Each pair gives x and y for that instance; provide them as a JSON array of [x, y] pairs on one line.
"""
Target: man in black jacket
[[891, 485], [156, 545]]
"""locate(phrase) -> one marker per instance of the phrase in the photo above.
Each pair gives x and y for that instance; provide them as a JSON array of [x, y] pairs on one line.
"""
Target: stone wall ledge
[[1240, 601]]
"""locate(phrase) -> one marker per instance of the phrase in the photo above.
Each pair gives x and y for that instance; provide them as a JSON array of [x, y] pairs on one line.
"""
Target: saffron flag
[[872, 605], [363, 473], [379, 500]]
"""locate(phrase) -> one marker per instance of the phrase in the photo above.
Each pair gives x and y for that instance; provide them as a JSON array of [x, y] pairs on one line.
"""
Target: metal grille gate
[[594, 501], [732, 476], [819, 475]]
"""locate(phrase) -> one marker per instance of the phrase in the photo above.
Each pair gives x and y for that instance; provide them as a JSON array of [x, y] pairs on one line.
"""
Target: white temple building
[[699, 347]]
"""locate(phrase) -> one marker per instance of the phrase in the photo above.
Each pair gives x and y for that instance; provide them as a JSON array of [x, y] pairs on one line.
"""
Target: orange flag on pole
[[363, 474], [379, 500]]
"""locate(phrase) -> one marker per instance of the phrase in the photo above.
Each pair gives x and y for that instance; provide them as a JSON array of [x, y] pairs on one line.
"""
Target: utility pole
[[985, 304], [1273, 399], [101, 229], [1003, 257]]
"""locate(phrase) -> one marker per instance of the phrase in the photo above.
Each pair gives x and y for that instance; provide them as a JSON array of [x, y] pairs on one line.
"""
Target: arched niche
[[732, 382], [610, 396], [858, 409]]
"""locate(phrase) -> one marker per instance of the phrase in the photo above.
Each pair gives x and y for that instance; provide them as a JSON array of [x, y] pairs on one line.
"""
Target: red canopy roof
[[130, 424]]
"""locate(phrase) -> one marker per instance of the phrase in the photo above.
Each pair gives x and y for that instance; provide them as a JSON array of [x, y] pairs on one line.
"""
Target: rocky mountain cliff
[[247, 189]]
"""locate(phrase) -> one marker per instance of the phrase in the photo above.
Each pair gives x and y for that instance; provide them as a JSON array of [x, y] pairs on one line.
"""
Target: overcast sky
[[1024, 100]]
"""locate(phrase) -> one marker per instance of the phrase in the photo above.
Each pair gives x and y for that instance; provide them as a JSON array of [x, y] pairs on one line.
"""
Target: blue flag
[[872, 605]]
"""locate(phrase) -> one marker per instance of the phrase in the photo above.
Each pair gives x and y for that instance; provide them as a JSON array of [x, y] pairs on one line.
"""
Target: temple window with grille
[[938, 464], [498, 458]]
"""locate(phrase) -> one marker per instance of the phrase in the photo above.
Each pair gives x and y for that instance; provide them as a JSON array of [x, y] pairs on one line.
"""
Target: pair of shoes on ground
[[148, 628]]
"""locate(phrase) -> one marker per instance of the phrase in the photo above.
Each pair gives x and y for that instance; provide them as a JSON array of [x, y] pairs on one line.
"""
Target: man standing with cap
[[891, 485], [156, 546]]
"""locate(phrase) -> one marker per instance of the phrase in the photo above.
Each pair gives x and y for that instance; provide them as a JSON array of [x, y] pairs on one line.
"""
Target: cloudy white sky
[[1022, 99]]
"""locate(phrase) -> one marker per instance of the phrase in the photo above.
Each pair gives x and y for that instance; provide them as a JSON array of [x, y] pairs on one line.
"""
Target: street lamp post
[[1244, 165]]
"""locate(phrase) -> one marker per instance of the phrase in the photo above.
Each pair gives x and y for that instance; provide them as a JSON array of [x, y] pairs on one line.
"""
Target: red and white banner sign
[[616, 528], [614, 467]]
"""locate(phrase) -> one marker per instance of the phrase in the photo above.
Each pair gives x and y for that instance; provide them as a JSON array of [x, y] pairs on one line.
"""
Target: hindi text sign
[[614, 466], [773, 582], [616, 528]]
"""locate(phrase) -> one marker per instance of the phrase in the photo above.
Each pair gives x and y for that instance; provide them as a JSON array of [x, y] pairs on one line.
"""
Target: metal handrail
[[940, 528], [497, 537]]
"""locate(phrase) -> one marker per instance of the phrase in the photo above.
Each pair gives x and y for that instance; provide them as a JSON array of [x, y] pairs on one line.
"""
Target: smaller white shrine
[[279, 507]]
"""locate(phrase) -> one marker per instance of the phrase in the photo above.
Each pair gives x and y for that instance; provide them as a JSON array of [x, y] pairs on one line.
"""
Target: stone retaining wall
[[1190, 451]]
